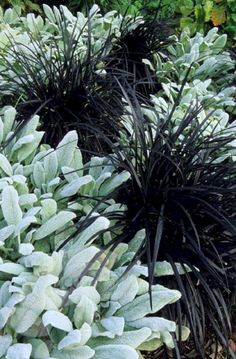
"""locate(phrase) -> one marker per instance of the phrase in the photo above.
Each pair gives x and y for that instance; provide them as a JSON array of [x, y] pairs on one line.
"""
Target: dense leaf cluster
[[150, 193], [51, 306]]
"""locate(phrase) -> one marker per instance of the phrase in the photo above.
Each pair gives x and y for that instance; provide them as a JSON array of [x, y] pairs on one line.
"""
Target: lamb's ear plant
[[206, 54], [43, 315], [57, 66], [182, 192], [49, 192], [66, 68], [48, 308]]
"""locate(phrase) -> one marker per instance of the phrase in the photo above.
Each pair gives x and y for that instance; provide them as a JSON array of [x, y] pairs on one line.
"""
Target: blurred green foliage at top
[[197, 15]]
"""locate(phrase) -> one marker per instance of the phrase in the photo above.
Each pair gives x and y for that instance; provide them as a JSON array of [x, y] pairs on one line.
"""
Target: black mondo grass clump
[[184, 197], [133, 53], [65, 88], [182, 190], [70, 87]]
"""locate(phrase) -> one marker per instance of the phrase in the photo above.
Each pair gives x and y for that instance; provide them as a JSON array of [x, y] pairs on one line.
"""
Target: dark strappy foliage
[[184, 196], [132, 49], [67, 92], [182, 192], [83, 94]]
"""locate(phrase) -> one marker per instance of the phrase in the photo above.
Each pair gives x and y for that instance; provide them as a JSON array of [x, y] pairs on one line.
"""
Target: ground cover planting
[[117, 187]]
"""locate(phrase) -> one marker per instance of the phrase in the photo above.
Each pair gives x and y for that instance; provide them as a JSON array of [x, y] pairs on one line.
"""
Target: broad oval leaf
[[69, 173], [50, 165], [114, 325], [66, 148], [140, 306], [115, 352], [33, 305], [53, 224], [133, 338], [27, 199], [39, 349], [10, 205], [9, 118], [5, 165], [57, 320], [100, 224], [49, 209], [38, 174], [19, 351], [84, 312], [114, 182], [24, 223], [84, 352], [88, 291], [76, 264], [6, 232], [71, 340], [11, 268], [73, 187], [156, 324], [126, 291], [25, 249], [5, 342]]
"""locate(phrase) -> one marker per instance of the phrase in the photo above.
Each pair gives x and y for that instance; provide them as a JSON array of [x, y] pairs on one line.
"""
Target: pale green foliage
[[36, 37], [204, 66], [210, 110], [204, 54], [201, 64], [91, 320], [45, 193], [36, 182], [207, 67], [51, 23], [45, 311], [196, 95]]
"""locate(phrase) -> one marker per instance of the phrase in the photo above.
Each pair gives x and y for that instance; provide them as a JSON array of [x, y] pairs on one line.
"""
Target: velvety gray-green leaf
[[10, 205], [53, 224]]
